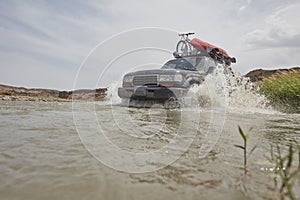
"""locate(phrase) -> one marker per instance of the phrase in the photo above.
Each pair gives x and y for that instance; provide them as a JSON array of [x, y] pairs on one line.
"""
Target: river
[[51, 151]]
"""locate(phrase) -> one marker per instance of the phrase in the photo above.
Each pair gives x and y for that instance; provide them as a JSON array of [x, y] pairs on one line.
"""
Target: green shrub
[[283, 90]]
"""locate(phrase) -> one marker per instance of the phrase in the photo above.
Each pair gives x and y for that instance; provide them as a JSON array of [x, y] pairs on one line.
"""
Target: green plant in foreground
[[283, 90], [244, 147], [284, 170]]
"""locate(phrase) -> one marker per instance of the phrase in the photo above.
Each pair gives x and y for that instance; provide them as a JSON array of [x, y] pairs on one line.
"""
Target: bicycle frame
[[183, 47]]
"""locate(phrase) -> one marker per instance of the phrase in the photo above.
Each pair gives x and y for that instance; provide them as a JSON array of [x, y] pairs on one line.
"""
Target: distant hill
[[21, 93], [259, 74]]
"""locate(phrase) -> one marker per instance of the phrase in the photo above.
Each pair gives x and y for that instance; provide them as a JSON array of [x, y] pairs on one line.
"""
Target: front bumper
[[151, 93]]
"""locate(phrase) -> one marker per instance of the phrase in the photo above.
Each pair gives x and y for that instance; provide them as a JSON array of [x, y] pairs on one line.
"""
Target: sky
[[65, 44]]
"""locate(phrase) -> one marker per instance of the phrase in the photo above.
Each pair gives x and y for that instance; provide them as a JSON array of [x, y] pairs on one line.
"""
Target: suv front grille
[[145, 80]]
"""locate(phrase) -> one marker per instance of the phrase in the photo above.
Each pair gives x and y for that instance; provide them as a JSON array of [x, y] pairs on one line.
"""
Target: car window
[[201, 64], [180, 64]]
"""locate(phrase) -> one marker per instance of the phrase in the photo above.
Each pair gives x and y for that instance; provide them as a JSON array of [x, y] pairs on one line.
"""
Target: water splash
[[112, 97], [226, 87], [242, 94], [223, 88]]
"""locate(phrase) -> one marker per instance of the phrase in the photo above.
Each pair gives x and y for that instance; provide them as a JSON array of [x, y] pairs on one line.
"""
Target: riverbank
[[10, 93], [283, 90], [281, 87]]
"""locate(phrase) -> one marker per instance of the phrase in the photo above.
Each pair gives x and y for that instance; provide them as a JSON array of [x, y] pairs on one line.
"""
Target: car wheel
[[172, 103]]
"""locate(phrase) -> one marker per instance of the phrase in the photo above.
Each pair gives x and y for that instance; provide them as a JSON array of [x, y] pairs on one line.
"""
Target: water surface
[[42, 156]]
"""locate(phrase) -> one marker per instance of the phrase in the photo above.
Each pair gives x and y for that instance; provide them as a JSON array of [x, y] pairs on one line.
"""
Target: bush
[[283, 90]]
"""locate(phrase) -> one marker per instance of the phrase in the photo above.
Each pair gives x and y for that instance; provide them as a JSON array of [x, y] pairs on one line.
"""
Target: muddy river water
[[97, 150]]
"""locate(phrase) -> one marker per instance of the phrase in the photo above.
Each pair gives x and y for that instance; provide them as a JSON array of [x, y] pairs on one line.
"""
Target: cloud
[[33, 73], [36, 33], [58, 35], [33, 28], [243, 7], [281, 30]]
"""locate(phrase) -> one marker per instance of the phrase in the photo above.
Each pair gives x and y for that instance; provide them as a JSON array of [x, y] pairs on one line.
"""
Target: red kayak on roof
[[201, 45], [186, 48]]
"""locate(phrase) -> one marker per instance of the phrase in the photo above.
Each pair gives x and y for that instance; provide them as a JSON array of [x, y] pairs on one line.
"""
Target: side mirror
[[233, 60]]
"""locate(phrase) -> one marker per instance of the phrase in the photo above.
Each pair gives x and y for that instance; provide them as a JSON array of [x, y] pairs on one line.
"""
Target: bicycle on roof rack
[[183, 47]]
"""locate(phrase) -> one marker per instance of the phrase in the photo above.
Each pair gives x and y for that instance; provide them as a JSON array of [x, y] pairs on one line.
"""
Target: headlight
[[128, 79], [170, 78]]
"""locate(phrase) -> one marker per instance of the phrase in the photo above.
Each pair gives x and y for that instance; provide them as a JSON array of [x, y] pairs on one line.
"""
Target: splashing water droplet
[[112, 93], [226, 87]]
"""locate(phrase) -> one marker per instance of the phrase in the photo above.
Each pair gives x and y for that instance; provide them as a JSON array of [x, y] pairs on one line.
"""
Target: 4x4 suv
[[172, 81], [194, 59]]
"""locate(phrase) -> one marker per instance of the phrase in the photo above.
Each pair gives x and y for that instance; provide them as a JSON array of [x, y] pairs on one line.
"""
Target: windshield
[[180, 64]]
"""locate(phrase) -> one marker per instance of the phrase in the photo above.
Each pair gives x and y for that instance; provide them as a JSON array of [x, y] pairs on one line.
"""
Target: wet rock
[[5, 98], [64, 94], [30, 99]]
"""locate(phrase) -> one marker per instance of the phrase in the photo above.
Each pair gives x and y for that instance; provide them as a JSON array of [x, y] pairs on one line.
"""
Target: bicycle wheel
[[183, 47]]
